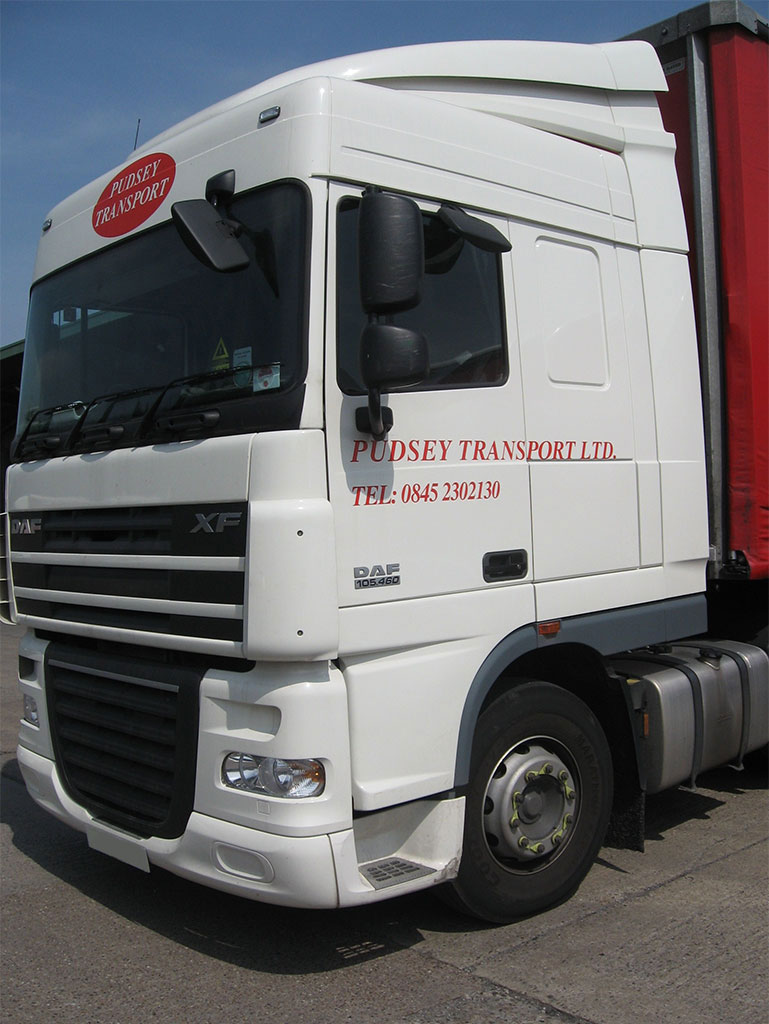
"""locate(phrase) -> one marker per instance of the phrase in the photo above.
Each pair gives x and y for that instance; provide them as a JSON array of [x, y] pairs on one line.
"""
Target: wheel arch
[[575, 667], [574, 659], [582, 671]]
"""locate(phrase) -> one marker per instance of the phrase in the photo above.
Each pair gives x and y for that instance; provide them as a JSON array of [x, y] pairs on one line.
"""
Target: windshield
[[141, 342]]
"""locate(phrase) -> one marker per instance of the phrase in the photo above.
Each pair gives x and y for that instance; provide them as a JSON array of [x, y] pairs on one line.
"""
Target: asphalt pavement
[[679, 933]]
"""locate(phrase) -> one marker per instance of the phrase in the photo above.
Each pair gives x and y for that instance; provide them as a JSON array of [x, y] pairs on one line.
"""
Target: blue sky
[[76, 76]]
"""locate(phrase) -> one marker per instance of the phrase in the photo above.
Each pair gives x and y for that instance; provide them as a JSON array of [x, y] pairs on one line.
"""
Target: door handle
[[505, 565]]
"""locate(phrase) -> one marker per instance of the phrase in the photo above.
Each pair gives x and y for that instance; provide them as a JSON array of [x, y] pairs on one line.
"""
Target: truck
[[361, 514]]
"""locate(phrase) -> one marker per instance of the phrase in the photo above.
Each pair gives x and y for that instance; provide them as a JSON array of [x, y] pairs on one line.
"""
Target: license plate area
[[122, 847]]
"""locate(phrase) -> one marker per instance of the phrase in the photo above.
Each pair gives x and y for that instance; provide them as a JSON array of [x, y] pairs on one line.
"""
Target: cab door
[[580, 388], [440, 507]]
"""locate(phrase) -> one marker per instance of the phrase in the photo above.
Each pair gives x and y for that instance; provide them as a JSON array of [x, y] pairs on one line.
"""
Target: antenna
[[136, 137]]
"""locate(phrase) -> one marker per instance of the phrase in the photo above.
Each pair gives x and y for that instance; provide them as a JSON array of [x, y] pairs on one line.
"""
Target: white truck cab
[[360, 427]]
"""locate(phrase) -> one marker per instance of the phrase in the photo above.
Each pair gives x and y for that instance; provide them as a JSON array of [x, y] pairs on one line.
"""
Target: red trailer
[[716, 60]]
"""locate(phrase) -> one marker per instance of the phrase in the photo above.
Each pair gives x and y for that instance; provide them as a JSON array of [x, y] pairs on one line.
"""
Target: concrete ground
[[679, 933]]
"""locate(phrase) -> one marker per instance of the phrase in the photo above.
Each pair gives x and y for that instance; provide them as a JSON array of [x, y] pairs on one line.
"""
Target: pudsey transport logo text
[[133, 195]]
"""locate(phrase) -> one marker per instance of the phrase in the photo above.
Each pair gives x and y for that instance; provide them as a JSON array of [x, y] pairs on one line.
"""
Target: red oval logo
[[133, 195]]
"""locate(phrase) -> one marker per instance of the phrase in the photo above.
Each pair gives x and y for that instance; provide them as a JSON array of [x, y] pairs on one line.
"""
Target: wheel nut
[[531, 776], [547, 768], [523, 842], [517, 798], [563, 775]]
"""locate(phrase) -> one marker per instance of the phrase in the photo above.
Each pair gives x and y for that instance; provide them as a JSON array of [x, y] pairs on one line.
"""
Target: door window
[[461, 313]]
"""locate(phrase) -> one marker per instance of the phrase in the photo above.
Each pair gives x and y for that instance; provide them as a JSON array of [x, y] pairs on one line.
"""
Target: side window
[[460, 315]]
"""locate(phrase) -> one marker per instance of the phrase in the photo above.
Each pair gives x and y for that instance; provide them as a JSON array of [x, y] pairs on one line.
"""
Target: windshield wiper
[[105, 431], [203, 417], [47, 439], [79, 435]]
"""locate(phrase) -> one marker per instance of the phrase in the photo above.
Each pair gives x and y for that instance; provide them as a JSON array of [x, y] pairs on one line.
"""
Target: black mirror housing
[[390, 253], [209, 235], [392, 357]]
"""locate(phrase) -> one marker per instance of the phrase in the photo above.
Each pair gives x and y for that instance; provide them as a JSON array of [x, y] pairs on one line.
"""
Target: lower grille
[[125, 735]]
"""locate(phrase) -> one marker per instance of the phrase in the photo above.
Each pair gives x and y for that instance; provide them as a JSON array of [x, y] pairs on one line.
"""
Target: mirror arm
[[375, 419], [478, 232], [220, 189]]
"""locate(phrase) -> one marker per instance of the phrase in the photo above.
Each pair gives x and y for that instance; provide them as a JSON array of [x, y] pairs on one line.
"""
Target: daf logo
[[34, 524], [215, 522], [377, 576]]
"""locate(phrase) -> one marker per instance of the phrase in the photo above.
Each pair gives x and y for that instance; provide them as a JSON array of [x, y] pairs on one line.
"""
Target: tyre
[[537, 805]]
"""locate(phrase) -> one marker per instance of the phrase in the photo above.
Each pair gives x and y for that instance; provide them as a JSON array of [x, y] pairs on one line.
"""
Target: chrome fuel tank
[[704, 703]]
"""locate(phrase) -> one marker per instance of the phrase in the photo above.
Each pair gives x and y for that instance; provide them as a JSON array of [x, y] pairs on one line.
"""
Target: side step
[[399, 849], [393, 871]]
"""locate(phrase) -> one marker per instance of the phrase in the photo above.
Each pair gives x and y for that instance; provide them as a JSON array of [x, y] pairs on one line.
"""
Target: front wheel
[[537, 805]]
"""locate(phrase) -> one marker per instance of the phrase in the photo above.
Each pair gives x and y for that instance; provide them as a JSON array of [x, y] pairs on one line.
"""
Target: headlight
[[273, 775]]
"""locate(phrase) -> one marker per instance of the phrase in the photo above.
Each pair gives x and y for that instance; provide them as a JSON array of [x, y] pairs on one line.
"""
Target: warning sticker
[[220, 360]]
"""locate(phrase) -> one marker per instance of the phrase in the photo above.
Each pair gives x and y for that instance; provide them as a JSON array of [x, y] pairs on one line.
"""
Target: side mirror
[[390, 357], [209, 235], [390, 253], [391, 263]]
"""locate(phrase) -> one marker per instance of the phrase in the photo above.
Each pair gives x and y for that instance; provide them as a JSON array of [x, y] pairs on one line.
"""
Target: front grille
[[174, 571], [143, 530], [201, 529], [124, 731], [5, 583]]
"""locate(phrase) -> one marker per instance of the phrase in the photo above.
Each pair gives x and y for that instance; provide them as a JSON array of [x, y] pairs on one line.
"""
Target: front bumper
[[312, 872], [287, 870]]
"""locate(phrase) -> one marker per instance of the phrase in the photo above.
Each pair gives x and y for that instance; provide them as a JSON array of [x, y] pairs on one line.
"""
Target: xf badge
[[215, 522]]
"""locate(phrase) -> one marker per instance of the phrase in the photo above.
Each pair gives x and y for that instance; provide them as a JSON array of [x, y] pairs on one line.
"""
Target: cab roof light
[[270, 114]]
